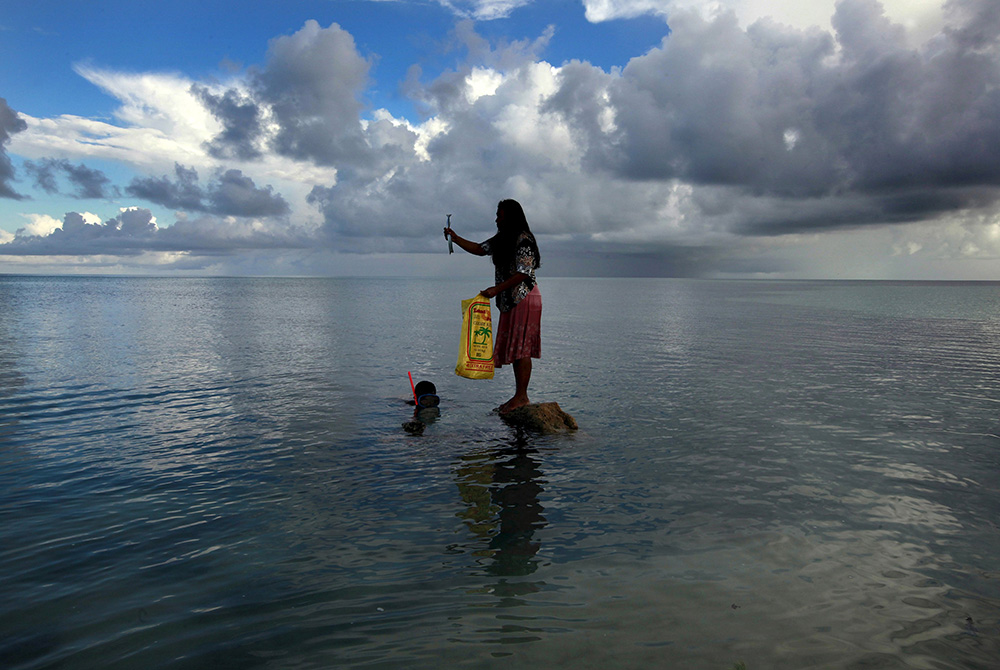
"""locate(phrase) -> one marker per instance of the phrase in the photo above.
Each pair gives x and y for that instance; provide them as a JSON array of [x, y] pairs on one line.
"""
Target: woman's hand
[[490, 292], [448, 231]]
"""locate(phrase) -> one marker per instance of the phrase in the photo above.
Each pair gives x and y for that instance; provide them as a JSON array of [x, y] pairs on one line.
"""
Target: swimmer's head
[[426, 394]]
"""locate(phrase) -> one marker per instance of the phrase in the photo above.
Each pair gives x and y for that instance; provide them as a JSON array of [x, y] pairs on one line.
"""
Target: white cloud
[[77, 138], [608, 10], [162, 102], [160, 122], [526, 125], [922, 18], [791, 137], [481, 82], [483, 10], [42, 225], [39, 224]]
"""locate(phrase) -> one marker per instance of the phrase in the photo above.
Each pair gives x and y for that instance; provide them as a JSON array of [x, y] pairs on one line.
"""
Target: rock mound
[[545, 417]]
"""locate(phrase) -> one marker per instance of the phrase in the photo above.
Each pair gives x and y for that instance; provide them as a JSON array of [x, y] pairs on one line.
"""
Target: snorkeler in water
[[425, 401], [425, 395]]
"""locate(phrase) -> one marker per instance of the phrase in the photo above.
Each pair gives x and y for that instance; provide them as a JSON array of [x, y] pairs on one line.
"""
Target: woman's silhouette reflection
[[501, 487]]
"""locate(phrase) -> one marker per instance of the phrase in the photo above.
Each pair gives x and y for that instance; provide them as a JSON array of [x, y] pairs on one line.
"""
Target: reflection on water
[[501, 488]]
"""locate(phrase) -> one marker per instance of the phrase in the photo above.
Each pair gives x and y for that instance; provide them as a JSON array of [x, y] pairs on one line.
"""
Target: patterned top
[[524, 262]]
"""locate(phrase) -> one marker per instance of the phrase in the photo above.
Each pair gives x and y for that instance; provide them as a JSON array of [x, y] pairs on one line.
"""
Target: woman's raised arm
[[468, 245]]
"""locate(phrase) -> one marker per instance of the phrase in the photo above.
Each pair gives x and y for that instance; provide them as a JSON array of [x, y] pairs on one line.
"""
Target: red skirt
[[519, 333]]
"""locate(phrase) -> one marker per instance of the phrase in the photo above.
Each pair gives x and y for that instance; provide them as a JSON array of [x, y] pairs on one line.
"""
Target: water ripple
[[792, 475]]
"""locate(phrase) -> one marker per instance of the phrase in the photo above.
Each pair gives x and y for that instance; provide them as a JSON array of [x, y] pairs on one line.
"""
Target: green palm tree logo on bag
[[481, 335]]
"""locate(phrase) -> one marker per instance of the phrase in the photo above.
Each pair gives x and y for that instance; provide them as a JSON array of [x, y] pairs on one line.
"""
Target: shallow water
[[213, 473]]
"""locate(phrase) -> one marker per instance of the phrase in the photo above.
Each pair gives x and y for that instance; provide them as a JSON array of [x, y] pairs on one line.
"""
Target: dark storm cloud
[[44, 173], [241, 119], [770, 129], [229, 193], [233, 193], [10, 123], [876, 131], [88, 182], [778, 216], [182, 193]]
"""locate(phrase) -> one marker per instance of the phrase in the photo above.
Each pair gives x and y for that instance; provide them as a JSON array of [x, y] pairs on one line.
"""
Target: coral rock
[[546, 417]]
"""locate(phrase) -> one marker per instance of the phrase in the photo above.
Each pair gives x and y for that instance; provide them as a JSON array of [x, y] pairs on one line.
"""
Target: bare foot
[[513, 404]]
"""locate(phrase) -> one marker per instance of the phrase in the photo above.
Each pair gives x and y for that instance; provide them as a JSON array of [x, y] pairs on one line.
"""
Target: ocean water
[[212, 473]]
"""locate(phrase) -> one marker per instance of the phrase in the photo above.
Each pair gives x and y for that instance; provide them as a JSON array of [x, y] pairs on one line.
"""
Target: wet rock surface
[[545, 417]]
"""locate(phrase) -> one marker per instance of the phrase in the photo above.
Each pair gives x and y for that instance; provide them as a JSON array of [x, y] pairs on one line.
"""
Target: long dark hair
[[514, 223]]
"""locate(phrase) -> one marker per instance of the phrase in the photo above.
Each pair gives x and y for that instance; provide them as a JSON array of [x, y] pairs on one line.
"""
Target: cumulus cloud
[[486, 134], [42, 224], [308, 92], [229, 193], [721, 132], [312, 82], [805, 129], [134, 231], [233, 193], [10, 123], [721, 146], [128, 233]]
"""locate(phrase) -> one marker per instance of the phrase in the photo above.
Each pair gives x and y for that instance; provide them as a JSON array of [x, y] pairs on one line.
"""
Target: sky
[[828, 139]]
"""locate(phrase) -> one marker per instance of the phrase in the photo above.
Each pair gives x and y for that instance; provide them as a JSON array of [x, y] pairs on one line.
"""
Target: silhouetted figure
[[515, 259]]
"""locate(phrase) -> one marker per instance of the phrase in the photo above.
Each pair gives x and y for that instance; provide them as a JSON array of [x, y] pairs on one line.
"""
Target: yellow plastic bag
[[475, 353]]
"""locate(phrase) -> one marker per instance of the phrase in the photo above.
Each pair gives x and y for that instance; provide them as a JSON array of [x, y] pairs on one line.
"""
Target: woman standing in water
[[515, 257]]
